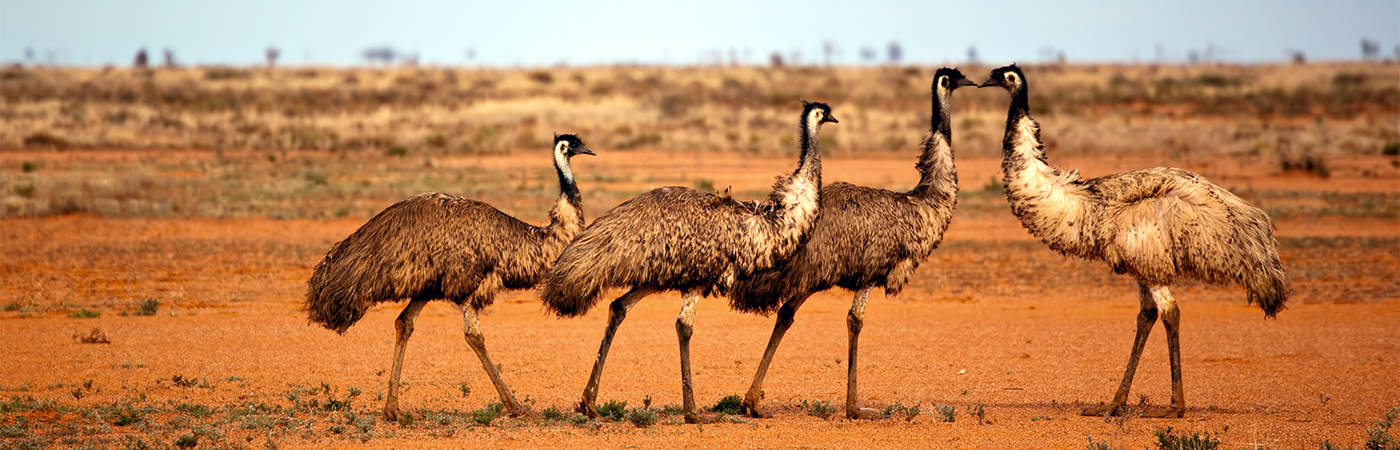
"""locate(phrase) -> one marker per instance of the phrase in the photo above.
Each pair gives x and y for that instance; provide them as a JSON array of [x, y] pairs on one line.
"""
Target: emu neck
[[567, 214], [1021, 146], [809, 166], [937, 173], [1051, 205]]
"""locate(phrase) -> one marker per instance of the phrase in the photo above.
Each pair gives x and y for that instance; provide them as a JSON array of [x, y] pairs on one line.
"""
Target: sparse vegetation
[[898, 410], [613, 410], [977, 411], [84, 314], [1196, 441], [822, 409], [732, 404], [945, 413], [148, 307], [641, 417]]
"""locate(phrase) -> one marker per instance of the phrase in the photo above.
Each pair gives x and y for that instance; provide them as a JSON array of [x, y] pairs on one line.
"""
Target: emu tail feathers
[[1267, 285], [760, 294], [331, 301], [571, 290]]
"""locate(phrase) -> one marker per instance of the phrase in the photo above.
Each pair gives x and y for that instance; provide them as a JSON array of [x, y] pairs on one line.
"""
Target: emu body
[[441, 247], [865, 238], [676, 238], [1156, 225]]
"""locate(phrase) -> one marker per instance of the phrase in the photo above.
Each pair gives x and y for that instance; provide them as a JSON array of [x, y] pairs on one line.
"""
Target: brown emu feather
[[865, 238], [676, 238], [1156, 225], [441, 247]]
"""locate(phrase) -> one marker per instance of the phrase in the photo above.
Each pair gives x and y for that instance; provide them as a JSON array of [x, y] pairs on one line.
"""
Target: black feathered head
[[1009, 77], [949, 79], [819, 111], [571, 145]]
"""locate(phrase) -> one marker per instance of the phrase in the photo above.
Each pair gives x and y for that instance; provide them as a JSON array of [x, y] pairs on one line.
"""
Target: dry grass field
[[158, 227]]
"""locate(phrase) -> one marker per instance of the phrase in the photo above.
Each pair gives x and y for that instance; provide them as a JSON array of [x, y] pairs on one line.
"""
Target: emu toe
[[1111, 409], [697, 418], [585, 408], [1168, 412], [751, 410], [864, 414]]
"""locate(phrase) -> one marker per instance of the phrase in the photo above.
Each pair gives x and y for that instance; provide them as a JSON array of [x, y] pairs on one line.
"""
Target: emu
[[438, 246], [675, 238], [865, 238], [1155, 225]]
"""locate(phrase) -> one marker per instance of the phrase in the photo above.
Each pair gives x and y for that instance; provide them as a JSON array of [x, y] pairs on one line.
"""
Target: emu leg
[[472, 329], [1147, 316], [855, 320], [1171, 320], [616, 312], [403, 328], [685, 326], [785, 320]]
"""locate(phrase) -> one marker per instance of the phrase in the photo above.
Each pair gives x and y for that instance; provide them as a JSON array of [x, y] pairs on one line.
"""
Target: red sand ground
[[993, 317]]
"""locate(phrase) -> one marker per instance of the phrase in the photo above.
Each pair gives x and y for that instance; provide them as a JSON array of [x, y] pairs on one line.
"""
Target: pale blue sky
[[546, 32]]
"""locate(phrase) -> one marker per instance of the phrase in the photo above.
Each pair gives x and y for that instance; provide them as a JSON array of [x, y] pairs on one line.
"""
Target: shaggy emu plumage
[[437, 246], [865, 238], [676, 238], [1155, 225]]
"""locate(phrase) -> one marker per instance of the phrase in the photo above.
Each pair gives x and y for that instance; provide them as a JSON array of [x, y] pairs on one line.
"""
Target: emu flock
[[1156, 225]]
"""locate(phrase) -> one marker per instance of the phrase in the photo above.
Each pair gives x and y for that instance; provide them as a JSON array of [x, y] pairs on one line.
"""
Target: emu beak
[[990, 82], [965, 82], [584, 150], [830, 118]]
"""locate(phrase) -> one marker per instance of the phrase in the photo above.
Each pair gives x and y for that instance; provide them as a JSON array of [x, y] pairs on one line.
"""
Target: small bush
[[553, 413], [822, 409], [187, 441], [488, 413], [946, 413], [579, 419], [85, 314], [612, 410], [1097, 445], [96, 336], [977, 411], [898, 410], [29, 166], [1391, 149], [1196, 441], [672, 410], [729, 405], [397, 150], [641, 417], [148, 307], [1379, 438]]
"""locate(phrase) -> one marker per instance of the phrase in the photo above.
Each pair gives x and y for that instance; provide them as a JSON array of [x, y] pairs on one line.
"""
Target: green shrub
[[1196, 441], [148, 307], [612, 410], [729, 405], [822, 409], [641, 417]]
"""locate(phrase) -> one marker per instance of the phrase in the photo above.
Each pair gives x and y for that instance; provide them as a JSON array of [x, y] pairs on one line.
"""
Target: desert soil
[[992, 318]]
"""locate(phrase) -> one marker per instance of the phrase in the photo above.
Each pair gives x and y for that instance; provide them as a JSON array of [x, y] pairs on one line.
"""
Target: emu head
[[816, 113], [945, 80], [1009, 78], [568, 145]]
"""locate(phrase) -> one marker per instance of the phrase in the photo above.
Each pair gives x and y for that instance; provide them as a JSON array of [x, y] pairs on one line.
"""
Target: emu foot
[[691, 417], [585, 408], [521, 411], [750, 409], [1111, 409], [863, 414], [1168, 412]]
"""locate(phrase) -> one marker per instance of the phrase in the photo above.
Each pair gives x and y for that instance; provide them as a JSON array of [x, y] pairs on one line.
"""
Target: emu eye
[[943, 81], [1011, 77]]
